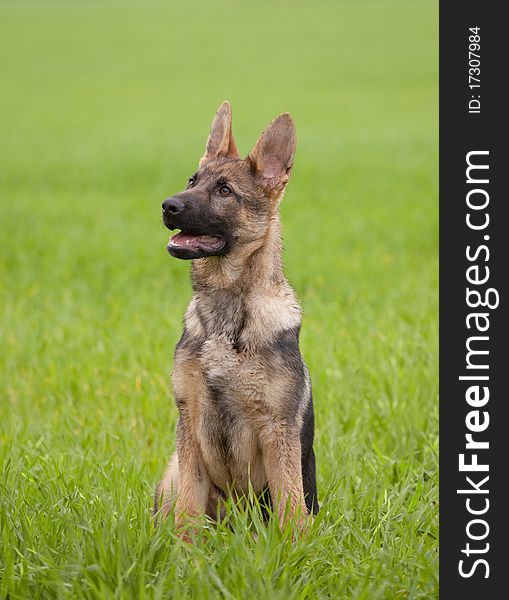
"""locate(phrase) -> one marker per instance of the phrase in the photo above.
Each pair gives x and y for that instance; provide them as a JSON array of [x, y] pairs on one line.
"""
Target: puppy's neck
[[256, 265]]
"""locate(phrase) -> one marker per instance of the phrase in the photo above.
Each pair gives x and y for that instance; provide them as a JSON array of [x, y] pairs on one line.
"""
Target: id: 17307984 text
[[474, 70]]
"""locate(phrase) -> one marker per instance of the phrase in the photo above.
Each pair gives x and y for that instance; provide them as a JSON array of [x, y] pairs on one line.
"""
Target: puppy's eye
[[225, 190], [191, 182]]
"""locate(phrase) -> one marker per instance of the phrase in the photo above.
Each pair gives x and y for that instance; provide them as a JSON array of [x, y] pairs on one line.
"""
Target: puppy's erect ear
[[272, 156], [220, 141]]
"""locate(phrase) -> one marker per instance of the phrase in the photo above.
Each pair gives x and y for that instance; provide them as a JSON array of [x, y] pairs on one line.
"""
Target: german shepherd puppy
[[241, 387]]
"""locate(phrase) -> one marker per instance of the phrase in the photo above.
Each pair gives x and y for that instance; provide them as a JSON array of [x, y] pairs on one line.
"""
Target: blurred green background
[[104, 111]]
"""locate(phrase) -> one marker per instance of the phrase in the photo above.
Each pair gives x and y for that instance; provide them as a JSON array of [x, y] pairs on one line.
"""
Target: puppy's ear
[[220, 141], [272, 156]]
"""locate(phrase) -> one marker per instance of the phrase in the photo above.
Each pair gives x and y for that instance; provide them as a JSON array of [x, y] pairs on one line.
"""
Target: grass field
[[104, 110]]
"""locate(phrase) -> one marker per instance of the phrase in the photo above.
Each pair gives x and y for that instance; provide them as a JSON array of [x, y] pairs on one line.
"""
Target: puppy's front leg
[[194, 482], [282, 461]]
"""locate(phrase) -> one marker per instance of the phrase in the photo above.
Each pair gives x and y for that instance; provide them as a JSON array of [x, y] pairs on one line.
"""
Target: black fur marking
[[286, 344], [220, 421], [308, 458], [200, 217], [230, 315], [193, 345], [183, 339]]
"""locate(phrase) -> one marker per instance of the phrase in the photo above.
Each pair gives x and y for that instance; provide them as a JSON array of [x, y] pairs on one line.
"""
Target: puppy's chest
[[229, 340], [230, 446], [229, 350], [228, 431], [235, 377]]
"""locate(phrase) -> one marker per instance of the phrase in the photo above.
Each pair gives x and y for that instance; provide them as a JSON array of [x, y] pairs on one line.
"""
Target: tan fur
[[220, 141], [168, 488]]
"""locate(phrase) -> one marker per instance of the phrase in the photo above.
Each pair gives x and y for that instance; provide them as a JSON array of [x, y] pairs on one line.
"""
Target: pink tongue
[[194, 241], [182, 239]]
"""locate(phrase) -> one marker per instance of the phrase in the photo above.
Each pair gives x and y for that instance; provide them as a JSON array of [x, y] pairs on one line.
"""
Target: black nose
[[172, 206]]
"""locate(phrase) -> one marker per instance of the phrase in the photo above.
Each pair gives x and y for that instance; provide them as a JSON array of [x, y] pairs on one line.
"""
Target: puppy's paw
[[189, 529]]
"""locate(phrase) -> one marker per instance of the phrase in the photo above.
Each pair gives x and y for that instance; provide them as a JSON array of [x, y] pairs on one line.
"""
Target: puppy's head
[[230, 201]]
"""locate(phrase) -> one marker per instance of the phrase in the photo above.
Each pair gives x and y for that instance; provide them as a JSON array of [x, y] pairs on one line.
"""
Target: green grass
[[104, 110]]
